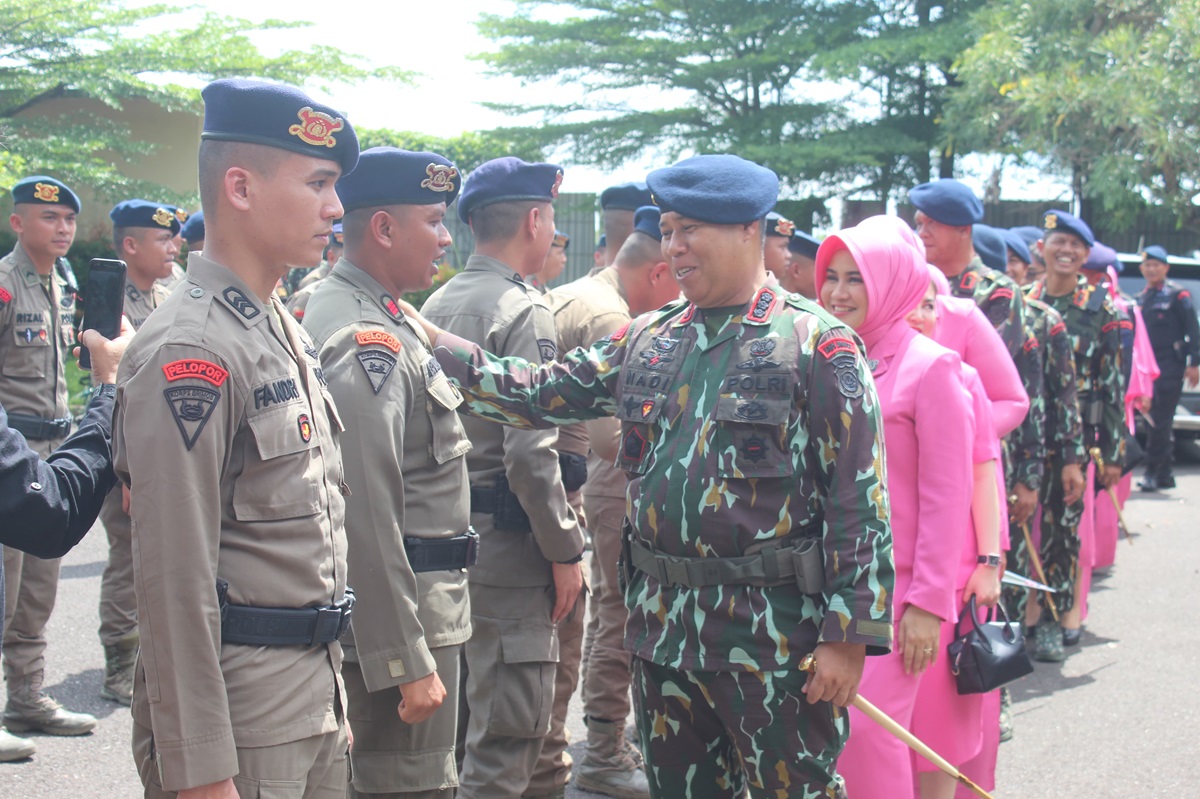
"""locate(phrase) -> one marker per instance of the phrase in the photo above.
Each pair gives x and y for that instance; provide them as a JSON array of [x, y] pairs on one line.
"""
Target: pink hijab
[[892, 268], [938, 278]]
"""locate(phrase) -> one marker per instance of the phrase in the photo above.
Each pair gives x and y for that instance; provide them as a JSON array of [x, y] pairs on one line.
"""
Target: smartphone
[[103, 302]]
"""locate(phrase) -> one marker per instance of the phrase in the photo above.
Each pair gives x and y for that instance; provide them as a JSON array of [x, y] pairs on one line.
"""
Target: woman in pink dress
[[871, 278]]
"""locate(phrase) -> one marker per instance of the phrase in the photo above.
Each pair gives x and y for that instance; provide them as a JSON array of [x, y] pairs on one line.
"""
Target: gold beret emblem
[[441, 177], [561, 239], [181, 215], [785, 227], [46, 192], [316, 128], [558, 177], [1051, 221], [163, 217]]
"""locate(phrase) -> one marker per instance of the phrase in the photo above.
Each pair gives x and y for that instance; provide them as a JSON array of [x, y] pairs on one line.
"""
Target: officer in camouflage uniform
[[758, 512], [1094, 330]]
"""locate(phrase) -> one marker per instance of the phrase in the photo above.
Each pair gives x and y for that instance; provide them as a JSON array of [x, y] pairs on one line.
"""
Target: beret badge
[[1051, 221], [441, 177], [163, 217], [181, 215], [45, 192], [558, 179], [316, 128], [785, 227]]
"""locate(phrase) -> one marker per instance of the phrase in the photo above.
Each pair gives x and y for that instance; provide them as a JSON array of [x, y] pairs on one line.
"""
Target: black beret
[[990, 246], [1017, 243], [45, 190], [803, 244], [645, 219], [391, 176], [780, 226], [625, 197], [143, 213], [193, 229]]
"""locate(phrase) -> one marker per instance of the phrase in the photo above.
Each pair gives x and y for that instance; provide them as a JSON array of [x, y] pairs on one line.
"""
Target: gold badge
[[561, 239], [45, 192], [163, 217], [557, 182], [181, 215], [441, 178], [785, 227], [1051, 221], [316, 128]]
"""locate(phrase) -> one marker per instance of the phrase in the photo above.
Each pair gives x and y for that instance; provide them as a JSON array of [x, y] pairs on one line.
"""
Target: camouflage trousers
[[1059, 549], [713, 735]]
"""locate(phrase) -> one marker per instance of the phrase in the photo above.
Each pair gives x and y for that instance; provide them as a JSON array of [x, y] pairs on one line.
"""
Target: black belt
[[442, 554], [483, 500], [35, 428], [799, 563], [242, 624]]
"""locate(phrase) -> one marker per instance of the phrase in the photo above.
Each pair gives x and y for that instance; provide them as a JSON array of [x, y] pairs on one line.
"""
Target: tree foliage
[[467, 150], [110, 52]]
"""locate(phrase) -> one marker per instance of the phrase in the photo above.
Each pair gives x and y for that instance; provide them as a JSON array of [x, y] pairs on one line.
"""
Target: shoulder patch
[[192, 406], [368, 337], [844, 365], [547, 349], [1002, 293], [1111, 326], [378, 365], [687, 316], [195, 368], [619, 335], [1059, 328], [1031, 344], [238, 300], [836, 342]]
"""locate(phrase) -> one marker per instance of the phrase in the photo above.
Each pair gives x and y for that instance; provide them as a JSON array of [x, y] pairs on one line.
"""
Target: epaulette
[[797, 300]]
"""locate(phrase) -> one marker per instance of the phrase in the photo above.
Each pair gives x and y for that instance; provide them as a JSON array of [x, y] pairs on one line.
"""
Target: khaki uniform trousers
[[30, 590], [392, 758], [118, 603], [606, 661]]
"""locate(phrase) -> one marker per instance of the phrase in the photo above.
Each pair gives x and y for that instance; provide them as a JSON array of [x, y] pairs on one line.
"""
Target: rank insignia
[[181, 215], [46, 192], [390, 306], [761, 305], [753, 449], [191, 406], [238, 300], [647, 407], [195, 368], [368, 337], [378, 365], [547, 349], [441, 177], [558, 179], [305, 427], [163, 217], [5, 297], [634, 445], [1051, 221], [613, 337], [316, 128], [968, 280]]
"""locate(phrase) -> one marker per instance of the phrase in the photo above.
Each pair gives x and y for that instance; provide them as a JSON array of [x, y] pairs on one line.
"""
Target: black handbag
[[988, 655]]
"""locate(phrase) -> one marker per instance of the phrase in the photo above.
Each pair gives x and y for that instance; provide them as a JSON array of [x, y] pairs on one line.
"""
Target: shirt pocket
[[281, 478], [639, 430], [751, 437], [31, 352], [449, 439]]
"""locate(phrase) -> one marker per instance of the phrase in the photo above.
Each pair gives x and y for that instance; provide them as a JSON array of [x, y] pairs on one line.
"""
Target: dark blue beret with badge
[[143, 213], [1155, 252], [193, 229], [625, 197], [1016, 243], [45, 190], [803, 245], [947, 201], [277, 115], [990, 246], [1061, 221], [391, 176], [645, 219], [719, 189], [779, 226], [509, 179]]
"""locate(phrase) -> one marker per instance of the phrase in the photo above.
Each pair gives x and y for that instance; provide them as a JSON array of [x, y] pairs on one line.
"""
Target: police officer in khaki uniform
[[407, 523], [530, 538], [37, 314], [618, 204], [145, 238], [226, 436]]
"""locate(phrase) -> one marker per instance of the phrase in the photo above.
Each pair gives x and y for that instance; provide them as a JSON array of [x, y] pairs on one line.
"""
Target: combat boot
[[1048, 643], [1006, 723], [14, 748], [118, 670], [609, 767], [30, 710]]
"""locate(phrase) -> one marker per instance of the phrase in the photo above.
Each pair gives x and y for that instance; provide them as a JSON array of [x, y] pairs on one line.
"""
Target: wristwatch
[[989, 560]]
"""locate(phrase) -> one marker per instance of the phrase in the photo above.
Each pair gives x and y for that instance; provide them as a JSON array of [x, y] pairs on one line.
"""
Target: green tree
[[107, 51], [467, 150]]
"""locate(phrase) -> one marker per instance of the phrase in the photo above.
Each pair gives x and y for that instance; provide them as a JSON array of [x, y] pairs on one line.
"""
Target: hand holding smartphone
[[103, 302]]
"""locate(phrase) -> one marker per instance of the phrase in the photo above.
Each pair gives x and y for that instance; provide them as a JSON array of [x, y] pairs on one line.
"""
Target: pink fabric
[[1108, 531], [981, 769]]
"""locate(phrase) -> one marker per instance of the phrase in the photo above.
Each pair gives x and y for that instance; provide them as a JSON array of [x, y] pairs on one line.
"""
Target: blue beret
[[721, 189], [1061, 220], [41, 189], [990, 247], [1155, 252], [646, 220], [1101, 258], [1029, 233], [803, 244], [625, 197], [508, 179], [143, 213], [193, 228], [277, 115], [391, 176], [947, 201], [779, 226], [1016, 243], [603, 241], [335, 237], [561, 240]]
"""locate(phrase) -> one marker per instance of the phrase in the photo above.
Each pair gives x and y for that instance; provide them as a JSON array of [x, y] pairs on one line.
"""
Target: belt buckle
[[675, 571], [472, 556], [328, 626]]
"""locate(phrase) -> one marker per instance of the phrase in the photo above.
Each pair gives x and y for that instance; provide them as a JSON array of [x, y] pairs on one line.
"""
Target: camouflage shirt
[[1064, 427], [1095, 335], [1026, 446], [998, 297], [740, 427]]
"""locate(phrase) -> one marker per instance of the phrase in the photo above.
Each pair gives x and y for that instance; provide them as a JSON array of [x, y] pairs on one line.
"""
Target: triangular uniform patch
[[191, 406], [378, 366]]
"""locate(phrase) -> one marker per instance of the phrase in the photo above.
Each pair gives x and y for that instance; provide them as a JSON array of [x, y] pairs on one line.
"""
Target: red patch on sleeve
[[619, 335], [1031, 344], [1126, 324], [195, 368], [5, 297], [1110, 327], [369, 337], [837, 344], [1061, 327], [1183, 295], [1002, 294]]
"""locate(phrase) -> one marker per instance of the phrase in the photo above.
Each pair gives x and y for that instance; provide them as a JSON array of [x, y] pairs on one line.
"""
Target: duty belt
[[483, 500], [800, 564], [442, 554], [242, 624], [35, 428]]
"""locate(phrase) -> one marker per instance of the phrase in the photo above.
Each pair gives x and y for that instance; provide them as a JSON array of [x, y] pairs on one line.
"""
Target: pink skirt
[[875, 763]]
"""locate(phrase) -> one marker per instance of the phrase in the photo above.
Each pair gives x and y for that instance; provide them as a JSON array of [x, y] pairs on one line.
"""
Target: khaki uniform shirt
[[140, 304], [37, 317], [489, 304], [227, 438], [586, 311], [403, 449]]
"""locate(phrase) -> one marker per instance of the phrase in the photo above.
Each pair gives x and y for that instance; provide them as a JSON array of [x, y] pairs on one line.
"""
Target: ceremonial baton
[[1036, 560], [1099, 459], [912, 741]]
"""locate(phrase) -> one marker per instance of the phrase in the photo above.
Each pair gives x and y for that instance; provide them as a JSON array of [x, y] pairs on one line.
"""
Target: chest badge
[[305, 425], [659, 354], [647, 407], [760, 349], [753, 449]]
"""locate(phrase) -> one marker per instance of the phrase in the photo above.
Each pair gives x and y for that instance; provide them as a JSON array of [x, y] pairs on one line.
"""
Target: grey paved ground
[[1118, 719]]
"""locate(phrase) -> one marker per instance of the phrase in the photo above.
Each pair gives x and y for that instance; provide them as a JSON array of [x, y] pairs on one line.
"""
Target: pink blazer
[[962, 327], [986, 448]]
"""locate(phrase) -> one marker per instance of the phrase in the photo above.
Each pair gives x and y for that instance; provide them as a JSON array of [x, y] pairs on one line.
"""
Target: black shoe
[[1148, 483], [1166, 482], [1071, 637]]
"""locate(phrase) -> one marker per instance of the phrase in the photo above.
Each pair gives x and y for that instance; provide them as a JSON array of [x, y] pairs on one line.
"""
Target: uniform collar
[[227, 288], [29, 272], [608, 275], [759, 311], [486, 263], [378, 296]]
